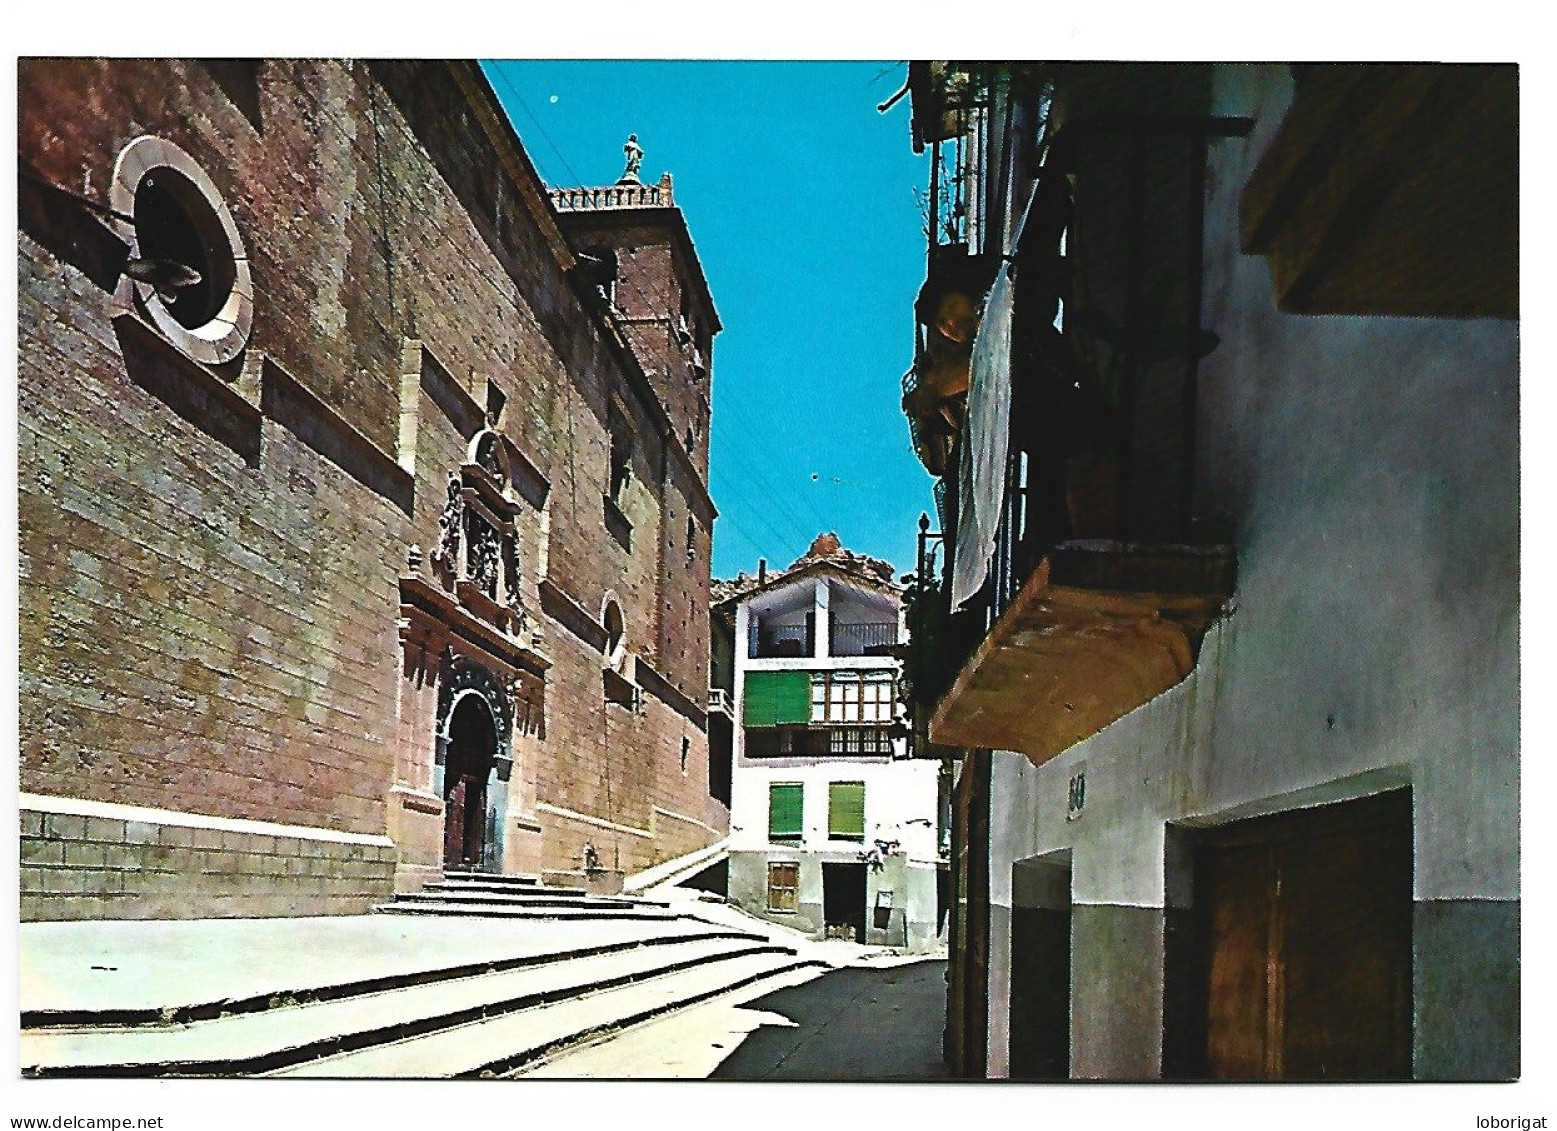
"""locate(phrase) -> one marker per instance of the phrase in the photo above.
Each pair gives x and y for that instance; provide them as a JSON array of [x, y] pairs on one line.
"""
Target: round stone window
[[187, 264]]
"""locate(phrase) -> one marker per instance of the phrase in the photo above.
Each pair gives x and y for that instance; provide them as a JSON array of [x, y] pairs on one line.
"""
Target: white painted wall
[[1366, 470], [900, 795], [900, 801]]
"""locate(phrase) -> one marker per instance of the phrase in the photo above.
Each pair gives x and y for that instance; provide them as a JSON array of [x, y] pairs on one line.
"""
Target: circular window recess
[[187, 264]]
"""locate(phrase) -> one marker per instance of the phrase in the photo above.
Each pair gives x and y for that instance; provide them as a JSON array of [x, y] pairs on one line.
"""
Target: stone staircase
[[519, 897], [536, 970]]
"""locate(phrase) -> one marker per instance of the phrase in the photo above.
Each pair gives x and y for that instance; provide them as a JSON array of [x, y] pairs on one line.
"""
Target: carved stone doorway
[[471, 758]]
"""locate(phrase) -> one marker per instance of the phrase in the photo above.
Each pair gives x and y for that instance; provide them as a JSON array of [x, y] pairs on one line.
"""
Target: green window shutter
[[785, 809], [846, 810], [776, 699]]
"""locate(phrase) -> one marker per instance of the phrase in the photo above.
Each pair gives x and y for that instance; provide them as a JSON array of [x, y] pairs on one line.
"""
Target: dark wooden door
[[475, 835], [1307, 923], [475, 821], [471, 747], [454, 825], [464, 823]]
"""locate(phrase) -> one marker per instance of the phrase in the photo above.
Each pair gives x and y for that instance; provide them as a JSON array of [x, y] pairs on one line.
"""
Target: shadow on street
[[857, 1023]]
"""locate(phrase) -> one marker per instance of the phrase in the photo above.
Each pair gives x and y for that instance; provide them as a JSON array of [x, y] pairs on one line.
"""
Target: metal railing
[[874, 638], [780, 640]]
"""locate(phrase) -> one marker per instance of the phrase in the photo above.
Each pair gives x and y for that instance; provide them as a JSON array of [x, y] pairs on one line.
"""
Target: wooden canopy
[[1098, 630]]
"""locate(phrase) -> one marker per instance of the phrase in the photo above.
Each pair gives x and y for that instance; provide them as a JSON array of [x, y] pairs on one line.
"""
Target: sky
[[801, 201]]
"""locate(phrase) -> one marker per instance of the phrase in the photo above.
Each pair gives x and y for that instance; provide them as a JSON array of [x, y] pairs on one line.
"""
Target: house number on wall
[[1077, 797]]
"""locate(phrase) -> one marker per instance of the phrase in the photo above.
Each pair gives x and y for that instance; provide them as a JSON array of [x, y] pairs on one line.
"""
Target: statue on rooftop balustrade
[[634, 153]]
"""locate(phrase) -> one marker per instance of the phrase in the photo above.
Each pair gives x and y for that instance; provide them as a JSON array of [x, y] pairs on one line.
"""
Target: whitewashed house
[[833, 831]]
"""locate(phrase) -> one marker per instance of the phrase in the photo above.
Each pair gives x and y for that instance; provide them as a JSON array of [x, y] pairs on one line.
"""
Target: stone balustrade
[[629, 195]]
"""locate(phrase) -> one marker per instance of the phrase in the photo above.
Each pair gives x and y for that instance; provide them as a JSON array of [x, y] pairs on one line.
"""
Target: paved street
[[857, 1023], [878, 1020]]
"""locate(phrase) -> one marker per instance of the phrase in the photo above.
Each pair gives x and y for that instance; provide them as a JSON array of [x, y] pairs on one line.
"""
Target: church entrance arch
[[472, 741], [473, 767]]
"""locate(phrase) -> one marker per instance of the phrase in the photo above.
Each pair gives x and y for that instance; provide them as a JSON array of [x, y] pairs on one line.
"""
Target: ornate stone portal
[[472, 680]]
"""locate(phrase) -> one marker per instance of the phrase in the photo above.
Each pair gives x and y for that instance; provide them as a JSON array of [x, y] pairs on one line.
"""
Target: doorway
[[1305, 923], [1039, 1022], [843, 898], [472, 746]]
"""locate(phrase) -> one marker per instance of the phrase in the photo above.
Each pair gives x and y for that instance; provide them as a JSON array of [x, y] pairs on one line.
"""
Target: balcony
[[876, 638], [818, 741], [1097, 630], [1074, 586], [781, 641]]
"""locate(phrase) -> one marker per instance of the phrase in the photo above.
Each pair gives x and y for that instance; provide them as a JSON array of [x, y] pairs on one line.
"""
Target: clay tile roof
[[825, 550]]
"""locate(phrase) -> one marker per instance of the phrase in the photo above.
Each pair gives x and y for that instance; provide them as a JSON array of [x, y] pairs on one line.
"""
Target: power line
[[525, 106], [779, 544], [756, 513], [759, 483], [754, 435]]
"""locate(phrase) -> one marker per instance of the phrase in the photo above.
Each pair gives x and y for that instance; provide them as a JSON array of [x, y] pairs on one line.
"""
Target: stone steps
[[135, 972], [535, 894], [685, 1043], [470, 893], [593, 911], [507, 1043], [290, 1038], [432, 894], [509, 891], [504, 879]]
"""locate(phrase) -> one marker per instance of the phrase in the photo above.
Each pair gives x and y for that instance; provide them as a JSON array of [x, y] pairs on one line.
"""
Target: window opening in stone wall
[[170, 237], [783, 887], [496, 400], [691, 538], [616, 631], [621, 459], [599, 267], [686, 748], [684, 324]]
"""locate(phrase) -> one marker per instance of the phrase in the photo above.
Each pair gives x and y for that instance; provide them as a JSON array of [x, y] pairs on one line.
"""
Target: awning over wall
[[776, 699], [1392, 189]]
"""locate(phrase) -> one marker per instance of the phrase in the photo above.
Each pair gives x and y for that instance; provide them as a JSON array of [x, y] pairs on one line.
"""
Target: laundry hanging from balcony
[[981, 472]]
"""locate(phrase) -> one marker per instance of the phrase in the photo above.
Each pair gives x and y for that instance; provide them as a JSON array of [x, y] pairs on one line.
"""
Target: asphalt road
[[855, 1023]]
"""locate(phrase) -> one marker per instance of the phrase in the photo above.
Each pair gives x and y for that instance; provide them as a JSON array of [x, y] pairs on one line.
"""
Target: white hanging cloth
[[981, 472]]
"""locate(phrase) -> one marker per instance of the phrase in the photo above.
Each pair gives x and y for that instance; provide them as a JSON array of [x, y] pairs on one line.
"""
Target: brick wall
[[208, 585]]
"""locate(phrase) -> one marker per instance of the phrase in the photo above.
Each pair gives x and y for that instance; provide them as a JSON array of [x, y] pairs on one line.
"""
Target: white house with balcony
[[832, 829]]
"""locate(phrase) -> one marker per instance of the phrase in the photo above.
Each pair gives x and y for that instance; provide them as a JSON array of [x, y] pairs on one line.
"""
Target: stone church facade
[[364, 528]]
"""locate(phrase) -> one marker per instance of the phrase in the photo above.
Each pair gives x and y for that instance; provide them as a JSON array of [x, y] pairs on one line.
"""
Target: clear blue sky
[[800, 199]]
